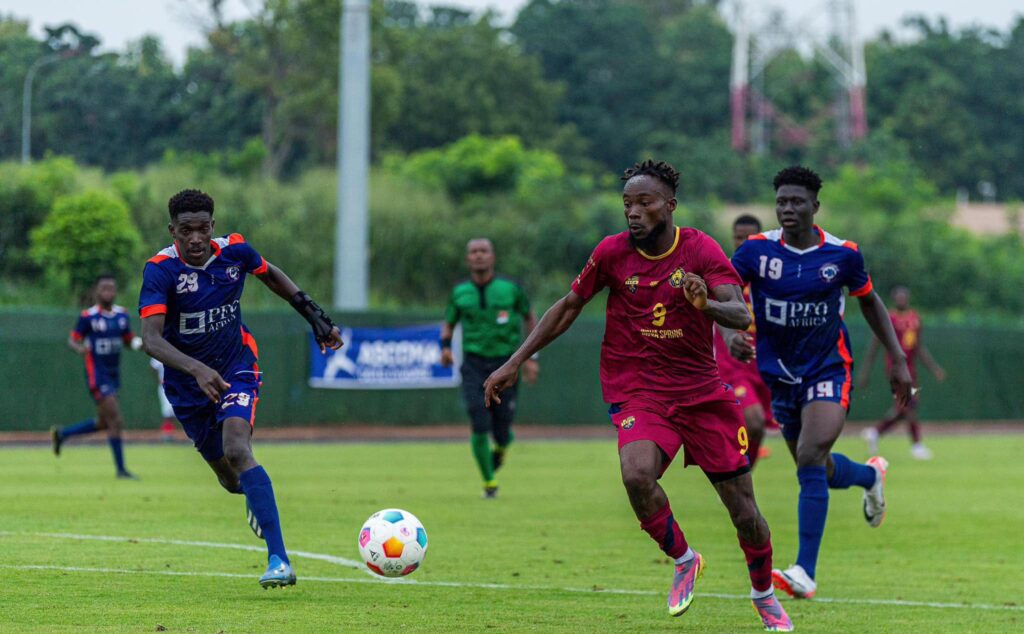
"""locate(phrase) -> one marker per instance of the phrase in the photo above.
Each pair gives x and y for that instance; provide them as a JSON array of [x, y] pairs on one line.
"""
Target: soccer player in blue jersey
[[192, 323], [797, 274], [100, 334]]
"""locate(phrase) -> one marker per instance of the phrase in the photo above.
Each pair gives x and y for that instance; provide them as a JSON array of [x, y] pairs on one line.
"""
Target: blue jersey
[[202, 308], [798, 303], [104, 334]]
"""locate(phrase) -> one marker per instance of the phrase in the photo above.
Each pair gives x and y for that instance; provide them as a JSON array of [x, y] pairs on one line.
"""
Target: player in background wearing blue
[[192, 323], [100, 334], [797, 274]]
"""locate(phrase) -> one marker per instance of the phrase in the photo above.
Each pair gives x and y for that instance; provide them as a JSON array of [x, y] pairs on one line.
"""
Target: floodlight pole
[[351, 258], [26, 105]]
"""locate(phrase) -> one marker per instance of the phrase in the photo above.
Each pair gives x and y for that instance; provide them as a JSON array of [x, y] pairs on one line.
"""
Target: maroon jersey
[[655, 342], [907, 325]]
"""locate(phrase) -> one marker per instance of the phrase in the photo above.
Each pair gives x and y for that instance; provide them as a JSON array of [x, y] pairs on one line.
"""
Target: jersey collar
[[213, 255], [821, 242], [664, 255]]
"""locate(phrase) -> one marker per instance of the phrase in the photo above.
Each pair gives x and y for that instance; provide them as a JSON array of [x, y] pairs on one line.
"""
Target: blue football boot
[[278, 574]]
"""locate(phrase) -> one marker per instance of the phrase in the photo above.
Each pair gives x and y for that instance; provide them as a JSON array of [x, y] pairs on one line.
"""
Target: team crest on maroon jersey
[[632, 282], [628, 422], [676, 279]]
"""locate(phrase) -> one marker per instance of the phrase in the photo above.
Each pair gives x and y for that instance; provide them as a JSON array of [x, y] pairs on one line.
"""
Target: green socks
[[481, 444]]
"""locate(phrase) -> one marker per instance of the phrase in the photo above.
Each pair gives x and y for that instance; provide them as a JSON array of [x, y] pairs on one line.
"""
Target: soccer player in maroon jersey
[[754, 396], [659, 374], [907, 324]]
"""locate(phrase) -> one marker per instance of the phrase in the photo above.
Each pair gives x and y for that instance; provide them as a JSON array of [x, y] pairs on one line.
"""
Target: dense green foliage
[[561, 540], [513, 132], [543, 218], [600, 82], [84, 236]]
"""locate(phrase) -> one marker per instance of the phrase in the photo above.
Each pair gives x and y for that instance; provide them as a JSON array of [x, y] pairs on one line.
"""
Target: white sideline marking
[[348, 563]]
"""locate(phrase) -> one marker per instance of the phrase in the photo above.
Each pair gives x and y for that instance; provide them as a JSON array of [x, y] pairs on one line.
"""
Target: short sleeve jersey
[[104, 334], [656, 343], [799, 302], [491, 315], [907, 324], [202, 308]]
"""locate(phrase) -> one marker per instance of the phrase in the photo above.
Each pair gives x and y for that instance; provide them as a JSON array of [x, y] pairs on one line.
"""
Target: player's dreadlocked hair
[[189, 200], [660, 170], [800, 176], [747, 219]]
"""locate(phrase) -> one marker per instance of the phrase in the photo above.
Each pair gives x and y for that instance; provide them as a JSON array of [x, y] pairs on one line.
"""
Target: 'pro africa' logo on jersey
[[676, 279], [828, 272], [632, 282]]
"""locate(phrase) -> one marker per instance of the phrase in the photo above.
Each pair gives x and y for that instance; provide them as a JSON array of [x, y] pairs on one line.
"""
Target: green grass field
[[561, 543]]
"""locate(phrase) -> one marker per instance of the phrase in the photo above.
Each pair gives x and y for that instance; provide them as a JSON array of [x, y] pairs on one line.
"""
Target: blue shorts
[[832, 385], [103, 390], [204, 423]]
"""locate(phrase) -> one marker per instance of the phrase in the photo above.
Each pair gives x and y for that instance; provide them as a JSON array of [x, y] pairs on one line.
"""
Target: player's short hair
[[660, 170], [189, 200], [104, 276], [747, 219], [800, 176]]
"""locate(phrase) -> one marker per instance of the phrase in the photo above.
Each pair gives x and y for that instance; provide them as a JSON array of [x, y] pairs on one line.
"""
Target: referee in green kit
[[495, 316]]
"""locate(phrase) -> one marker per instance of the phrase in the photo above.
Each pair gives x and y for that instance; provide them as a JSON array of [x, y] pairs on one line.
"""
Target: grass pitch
[[558, 551]]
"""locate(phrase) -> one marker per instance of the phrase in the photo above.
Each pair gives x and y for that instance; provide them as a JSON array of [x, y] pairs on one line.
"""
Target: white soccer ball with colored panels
[[392, 542]]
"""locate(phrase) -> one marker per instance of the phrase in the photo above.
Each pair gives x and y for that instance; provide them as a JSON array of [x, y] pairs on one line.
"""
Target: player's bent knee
[[639, 480]]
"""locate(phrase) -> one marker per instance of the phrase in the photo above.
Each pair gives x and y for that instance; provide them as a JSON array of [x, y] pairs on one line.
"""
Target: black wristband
[[446, 342], [311, 312]]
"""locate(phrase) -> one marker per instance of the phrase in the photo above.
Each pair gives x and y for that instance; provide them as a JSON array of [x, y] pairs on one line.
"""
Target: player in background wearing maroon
[[754, 396], [907, 324], [658, 373]]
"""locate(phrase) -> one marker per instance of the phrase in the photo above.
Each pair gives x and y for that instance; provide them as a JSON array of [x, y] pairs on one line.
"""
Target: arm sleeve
[[590, 281], [857, 278], [716, 269], [156, 287], [451, 311], [742, 261], [82, 327], [251, 259]]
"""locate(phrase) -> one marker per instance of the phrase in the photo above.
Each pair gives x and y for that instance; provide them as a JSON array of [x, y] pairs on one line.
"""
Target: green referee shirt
[[491, 315]]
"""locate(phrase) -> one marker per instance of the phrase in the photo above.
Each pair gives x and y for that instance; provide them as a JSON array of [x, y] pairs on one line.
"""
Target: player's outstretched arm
[[555, 321], [727, 308], [875, 313], [154, 344], [326, 333], [929, 361], [77, 346]]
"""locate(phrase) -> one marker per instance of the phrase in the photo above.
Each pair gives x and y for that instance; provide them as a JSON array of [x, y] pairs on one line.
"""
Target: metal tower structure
[[829, 32]]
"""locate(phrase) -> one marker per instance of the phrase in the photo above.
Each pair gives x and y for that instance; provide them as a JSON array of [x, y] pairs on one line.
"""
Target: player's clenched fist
[[741, 346], [211, 383], [499, 381], [696, 290]]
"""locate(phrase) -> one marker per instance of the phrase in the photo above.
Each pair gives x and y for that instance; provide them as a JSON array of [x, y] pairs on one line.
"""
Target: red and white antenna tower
[[829, 32]]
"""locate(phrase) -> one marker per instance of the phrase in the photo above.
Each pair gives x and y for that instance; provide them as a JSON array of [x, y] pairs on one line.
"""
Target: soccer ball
[[392, 542]]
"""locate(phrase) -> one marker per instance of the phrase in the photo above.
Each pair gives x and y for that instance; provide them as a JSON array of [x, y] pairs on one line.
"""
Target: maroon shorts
[[750, 392], [711, 430]]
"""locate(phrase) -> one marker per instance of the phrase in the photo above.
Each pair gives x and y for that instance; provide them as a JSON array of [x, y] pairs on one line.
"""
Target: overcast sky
[[177, 22]]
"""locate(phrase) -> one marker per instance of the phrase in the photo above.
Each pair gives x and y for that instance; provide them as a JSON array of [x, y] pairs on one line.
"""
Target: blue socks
[[87, 426], [847, 473], [812, 510], [115, 448], [259, 492]]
